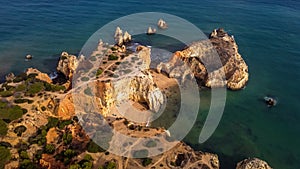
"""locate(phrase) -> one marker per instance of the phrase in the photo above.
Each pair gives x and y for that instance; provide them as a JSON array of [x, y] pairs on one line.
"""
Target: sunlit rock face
[[253, 163], [214, 62], [137, 86], [67, 64], [39, 75]]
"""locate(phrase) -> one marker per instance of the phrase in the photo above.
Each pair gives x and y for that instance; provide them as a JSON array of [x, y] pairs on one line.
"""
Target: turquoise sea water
[[267, 33]]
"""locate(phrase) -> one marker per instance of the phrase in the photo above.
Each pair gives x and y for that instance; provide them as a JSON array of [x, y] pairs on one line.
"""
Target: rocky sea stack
[[209, 59]]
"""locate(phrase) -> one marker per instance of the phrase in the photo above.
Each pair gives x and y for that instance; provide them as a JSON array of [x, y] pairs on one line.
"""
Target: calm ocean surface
[[266, 31]]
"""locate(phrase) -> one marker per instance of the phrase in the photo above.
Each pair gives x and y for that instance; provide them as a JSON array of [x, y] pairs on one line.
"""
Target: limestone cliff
[[209, 59], [137, 86]]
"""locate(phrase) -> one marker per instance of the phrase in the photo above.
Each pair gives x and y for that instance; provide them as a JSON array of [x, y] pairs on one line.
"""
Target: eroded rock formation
[[214, 62], [67, 64], [253, 163], [151, 31], [39, 75], [162, 24], [120, 39]]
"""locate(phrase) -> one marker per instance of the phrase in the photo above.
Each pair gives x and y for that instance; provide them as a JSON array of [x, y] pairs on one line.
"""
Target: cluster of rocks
[[160, 24], [253, 163], [121, 39], [214, 62]]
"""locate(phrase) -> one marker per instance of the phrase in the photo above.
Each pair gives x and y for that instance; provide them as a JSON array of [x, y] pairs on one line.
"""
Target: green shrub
[[35, 88], [32, 75], [69, 153], [3, 104], [53, 87], [19, 130], [5, 144], [75, 166], [20, 101], [43, 108], [140, 153], [20, 78], [4, 156], [88, 91], [52, 122], [6, 93], [87, 165], [146, 161], [92, 147], [3, 128], [11, 113], [111, 165], [49, 149], [113, 57], [99, 72], [67, 138], [24, 155], [21, 87], [113, 48], [27, 164], [151, 143], [85, 79], [88, 157], [64, 123], [92, 58], [24, 111]]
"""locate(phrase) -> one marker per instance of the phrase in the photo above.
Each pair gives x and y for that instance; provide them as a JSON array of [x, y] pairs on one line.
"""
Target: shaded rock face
[[253, 163], [41, 76], [204, 57], [67, 64]]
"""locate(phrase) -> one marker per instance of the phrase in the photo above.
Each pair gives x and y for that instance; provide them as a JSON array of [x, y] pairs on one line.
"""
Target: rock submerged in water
[[203, 59], [253, 163]]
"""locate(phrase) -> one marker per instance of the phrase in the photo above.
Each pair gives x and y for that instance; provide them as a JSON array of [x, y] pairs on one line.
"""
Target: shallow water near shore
[[266, 33]]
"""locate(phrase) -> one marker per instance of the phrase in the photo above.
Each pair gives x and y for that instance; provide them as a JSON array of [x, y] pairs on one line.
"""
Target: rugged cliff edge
[[214, 62], [41, 125]]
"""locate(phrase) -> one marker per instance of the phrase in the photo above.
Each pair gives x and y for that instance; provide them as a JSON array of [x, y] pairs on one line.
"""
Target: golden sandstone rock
[[67, 64], [41, 76], [209, 59], [253, 163]]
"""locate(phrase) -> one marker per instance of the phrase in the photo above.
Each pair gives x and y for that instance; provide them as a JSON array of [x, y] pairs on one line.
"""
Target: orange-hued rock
[[67, 64], [214, 62], [253, 163], [41, 76], [52, 136], [66, 109]]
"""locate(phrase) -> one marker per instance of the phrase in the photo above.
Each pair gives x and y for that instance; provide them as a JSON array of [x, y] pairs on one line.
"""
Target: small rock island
[[40, 124]]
